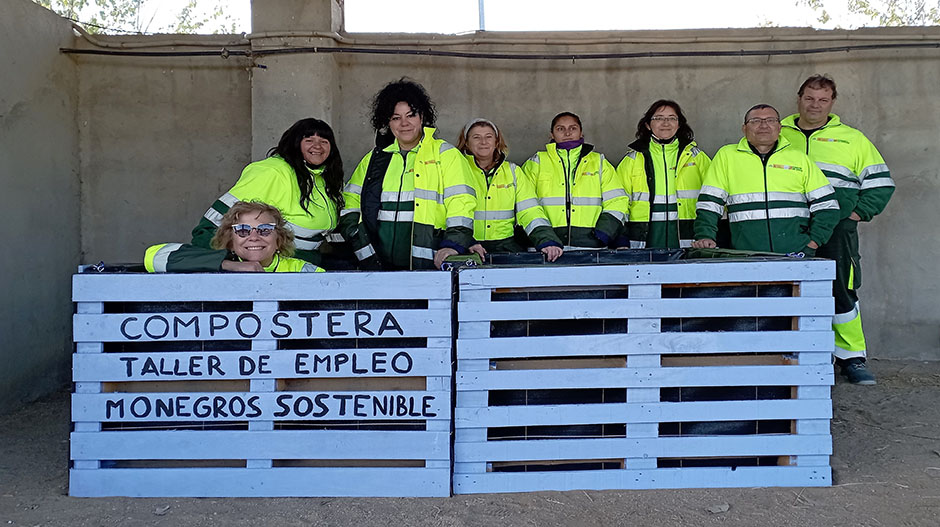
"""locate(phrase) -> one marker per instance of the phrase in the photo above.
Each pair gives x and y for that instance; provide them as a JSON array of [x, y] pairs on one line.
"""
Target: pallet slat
[[280, 325], [261, 406], [283, 364], [658, 412], [250, 483], [280, 444], [667, 478], [638, 344], [224, 287], [647, 377], [645, 308], [655, 447], [681, 272]]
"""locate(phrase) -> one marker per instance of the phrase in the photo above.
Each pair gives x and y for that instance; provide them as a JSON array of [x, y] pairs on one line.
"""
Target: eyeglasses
[[665, 118], [243, 230], [755, 121]]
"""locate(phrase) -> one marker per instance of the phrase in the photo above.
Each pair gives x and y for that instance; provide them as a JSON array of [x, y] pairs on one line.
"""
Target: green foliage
[[881, 12], [129, 16]]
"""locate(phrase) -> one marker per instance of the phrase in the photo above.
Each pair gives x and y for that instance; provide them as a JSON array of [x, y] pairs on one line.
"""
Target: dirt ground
[[886, 470]]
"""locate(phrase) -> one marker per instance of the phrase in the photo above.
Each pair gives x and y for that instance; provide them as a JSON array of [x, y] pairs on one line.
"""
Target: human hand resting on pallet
[[704, 243]]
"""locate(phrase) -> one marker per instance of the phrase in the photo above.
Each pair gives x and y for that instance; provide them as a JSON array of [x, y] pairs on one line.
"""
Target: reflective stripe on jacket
[[273, 181], [663, 217], [587, 209], [444, 201], [853, 165], [777, 206], [507, 200]]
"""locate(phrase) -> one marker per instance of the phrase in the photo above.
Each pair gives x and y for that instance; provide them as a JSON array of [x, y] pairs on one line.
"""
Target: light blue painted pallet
[[643, 349], [271, 460]]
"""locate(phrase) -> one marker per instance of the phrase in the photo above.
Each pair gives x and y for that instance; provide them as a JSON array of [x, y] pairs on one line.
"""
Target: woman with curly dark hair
[[252, 238], [409, 203], [664, 168], [302, 176]]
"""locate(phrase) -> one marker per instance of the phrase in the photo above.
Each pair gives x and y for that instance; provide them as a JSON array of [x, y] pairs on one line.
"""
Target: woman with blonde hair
[[505, 196], [252, 237]]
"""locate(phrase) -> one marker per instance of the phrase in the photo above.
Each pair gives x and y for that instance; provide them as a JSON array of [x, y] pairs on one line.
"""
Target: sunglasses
[[243, 230]]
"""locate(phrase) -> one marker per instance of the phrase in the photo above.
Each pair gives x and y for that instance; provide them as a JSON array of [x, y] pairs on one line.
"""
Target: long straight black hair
[[288, 148]]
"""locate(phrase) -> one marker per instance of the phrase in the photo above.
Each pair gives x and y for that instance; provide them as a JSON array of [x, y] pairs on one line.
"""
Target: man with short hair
[[863, 187], [777, 199]]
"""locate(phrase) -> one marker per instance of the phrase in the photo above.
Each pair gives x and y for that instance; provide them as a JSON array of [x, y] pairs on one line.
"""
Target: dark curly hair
[[384, 102], [684, 133], [288, 148]]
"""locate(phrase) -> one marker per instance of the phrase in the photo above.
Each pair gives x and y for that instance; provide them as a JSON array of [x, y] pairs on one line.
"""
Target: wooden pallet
[[665, 375], [334, 384]]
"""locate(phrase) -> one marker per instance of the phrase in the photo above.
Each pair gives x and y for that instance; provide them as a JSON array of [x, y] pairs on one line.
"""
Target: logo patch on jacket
[[787, 167], [830, 140]]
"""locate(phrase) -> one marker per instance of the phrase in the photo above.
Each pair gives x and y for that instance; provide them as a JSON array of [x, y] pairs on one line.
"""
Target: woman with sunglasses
[[505, 196], [252, 238], [409, 203], [664, 168], [302, 176]]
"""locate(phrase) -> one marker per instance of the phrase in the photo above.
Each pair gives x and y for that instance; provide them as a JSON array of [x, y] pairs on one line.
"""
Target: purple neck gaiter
[[568, 145]]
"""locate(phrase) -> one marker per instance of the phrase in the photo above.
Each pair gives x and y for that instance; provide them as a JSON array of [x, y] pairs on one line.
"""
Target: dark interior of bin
[[519, 328]]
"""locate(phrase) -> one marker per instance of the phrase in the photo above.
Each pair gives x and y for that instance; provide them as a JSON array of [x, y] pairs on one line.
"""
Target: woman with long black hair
[[302, 176]]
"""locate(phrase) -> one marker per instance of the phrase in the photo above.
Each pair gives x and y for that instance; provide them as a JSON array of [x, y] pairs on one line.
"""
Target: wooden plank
[[247, 406], [681, 272], [202, 365], [149, 327], [655, 344], [655, 447], [250, 483], [645, 308], [221, 287], [279, 444], [663, 478], [652, 412], [647, 377]]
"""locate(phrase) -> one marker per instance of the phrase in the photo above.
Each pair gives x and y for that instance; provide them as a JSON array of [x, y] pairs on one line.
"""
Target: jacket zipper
[[567, 191], [770, 237], [401, 184], [666, 195]]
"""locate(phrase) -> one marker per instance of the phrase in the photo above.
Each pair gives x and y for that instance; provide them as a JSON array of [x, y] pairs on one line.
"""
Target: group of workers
[[795, 185]]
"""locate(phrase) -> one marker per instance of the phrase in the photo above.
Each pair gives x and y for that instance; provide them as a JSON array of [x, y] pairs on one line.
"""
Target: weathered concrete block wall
[[39, 178], [161, 138]]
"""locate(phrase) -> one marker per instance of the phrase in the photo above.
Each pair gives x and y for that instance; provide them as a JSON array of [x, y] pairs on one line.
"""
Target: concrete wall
[[39, 178], [160, 140]]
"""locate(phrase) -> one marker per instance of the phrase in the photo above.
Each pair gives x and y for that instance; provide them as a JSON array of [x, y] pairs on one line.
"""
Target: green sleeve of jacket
[[824, 212], [877, 186], [459, 198], [183, 258], [616, 202], [205, 229], [529, 213], [350, 218], [711, 199]]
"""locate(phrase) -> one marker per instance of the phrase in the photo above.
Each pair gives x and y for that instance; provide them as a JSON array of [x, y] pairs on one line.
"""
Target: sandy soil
[[886, 470]]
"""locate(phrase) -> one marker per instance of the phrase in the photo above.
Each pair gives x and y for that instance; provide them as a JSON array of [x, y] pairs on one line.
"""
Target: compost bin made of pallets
[[280, 384], [696, 373]]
